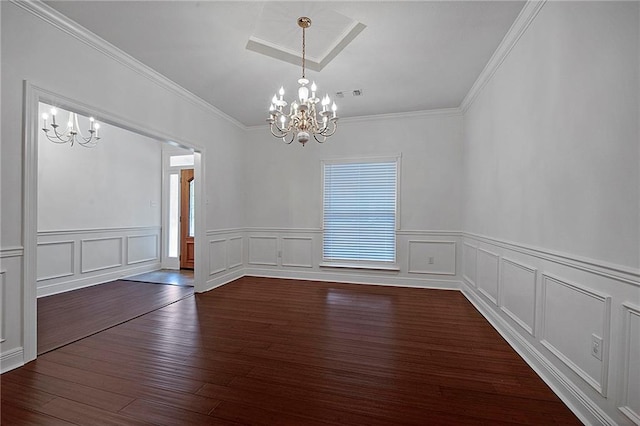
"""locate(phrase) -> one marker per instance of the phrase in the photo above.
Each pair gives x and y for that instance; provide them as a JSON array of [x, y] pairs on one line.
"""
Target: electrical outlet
[[596, 346], [430, 260]]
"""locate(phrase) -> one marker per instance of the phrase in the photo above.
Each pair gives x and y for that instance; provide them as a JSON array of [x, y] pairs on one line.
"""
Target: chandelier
[[303, 120], [72, 133]]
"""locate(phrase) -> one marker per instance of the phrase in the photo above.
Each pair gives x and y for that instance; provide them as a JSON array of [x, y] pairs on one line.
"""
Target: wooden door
[[187, 225]]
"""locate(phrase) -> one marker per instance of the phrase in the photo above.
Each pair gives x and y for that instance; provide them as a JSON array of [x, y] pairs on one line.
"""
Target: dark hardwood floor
[[66, 317], [269, 351]]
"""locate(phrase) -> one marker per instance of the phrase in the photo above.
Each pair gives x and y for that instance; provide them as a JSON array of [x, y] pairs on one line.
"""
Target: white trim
[[16, 251], [262, 237], [482, 290], [100, 268], [455, 257], [99, 230], [369, 266], [348, 278], [222, 268], [49, 290], [475, 255], [604, 269], [11, 359], [518, 28], [156, 246], [573, 397], [284, 230], [297, 265], [32, 96], [72, 266], [529, 329], [72, 28], [235, 265], [628, 310], [3, 300], [212, 232], [599, 384]]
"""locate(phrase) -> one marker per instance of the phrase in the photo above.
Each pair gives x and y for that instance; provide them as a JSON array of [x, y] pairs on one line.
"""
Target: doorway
[[33, 95], [187, 219]]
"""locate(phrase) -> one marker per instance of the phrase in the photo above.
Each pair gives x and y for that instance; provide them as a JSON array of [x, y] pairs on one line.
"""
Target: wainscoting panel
[[100, 253], [630, 406], [76, 258], [297, 252], [432, 257], [2, 302], [234, 252], [217, 256], [572, 316], [56, 259], [487, 274], [142, 248], [518, 293], [263, 250], [469, 261]]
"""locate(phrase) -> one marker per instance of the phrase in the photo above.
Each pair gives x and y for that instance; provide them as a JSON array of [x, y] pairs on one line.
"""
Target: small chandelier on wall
[[72, 134], [305, 118]]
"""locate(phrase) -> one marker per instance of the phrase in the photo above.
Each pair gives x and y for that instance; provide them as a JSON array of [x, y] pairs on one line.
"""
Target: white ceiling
[[410, 56]]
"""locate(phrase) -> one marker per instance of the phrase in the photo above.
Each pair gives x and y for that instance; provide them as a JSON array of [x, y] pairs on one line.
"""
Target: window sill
[[392, 268]]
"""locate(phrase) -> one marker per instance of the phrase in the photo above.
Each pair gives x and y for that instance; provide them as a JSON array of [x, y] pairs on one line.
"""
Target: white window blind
[[360, 211]]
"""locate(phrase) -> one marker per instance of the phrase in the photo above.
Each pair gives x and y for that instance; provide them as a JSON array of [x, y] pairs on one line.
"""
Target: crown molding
[[443, 112], [72, 28], [518, 28]]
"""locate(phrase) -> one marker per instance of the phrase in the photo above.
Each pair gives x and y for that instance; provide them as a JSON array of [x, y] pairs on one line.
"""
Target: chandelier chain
[[303, 51]]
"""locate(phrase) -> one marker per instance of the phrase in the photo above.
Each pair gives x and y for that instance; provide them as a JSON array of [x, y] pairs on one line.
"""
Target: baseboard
[[12, 359], [355, 278], [96, 279], [222, 280], [583, 407]]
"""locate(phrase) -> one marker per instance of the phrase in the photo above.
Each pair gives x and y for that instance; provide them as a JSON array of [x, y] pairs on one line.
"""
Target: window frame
[[364, 264]]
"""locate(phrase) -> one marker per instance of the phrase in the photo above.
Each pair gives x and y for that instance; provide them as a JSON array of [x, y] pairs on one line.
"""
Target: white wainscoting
[[432, 257], [226, 256], [217, 256], [56, 259], [72, 259], [487, 265], [549, 306], [571, 314], [142, 248], [630, 401], [234, 252], [518, 293], [297, 253], [2, 302], [263, 250], [11, 318], [469, 262]]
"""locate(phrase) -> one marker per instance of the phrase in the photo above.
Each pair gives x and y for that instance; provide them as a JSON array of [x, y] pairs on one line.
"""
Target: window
[[359, 211]]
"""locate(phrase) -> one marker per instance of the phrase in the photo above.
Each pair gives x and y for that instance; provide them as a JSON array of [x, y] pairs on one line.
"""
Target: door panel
[[187, 225]]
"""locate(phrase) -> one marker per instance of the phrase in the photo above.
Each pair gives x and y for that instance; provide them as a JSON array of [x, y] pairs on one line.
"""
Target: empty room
[[387, 212]]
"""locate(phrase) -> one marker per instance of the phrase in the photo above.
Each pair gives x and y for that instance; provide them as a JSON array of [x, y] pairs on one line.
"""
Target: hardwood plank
[[271, 351], [67, 317], [12, 415]]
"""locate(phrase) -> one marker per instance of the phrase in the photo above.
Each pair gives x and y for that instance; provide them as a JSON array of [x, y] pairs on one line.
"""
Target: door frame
[[32, 95], [167, 152]]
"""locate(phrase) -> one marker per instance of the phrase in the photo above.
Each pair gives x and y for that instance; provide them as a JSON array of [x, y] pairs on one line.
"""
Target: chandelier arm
[[58, 138], [324, 138], [328, 132], [290, 140]]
